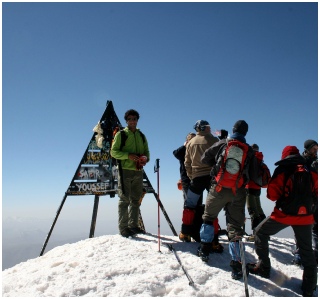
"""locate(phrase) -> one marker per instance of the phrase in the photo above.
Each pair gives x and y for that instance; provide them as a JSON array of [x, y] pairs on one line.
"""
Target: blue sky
[[173, 62]]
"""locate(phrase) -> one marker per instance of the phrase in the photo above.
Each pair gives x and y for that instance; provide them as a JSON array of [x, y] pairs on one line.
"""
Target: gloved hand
[[179, 184], [142, 161]]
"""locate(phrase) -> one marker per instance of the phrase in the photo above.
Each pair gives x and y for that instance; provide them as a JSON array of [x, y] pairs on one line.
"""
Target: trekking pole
[[165, 214], [244, 268], [243, 263], [156, 169], [171, 248]]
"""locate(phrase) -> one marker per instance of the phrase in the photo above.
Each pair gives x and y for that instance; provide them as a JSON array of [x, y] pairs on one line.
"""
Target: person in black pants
[[310, 153], [290, 182]]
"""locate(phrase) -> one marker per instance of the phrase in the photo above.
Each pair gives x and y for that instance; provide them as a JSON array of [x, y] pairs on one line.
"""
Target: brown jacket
[[195, 148]]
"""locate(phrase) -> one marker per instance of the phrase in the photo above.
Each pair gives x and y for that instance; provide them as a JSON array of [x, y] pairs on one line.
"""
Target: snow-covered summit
[[114, 266]]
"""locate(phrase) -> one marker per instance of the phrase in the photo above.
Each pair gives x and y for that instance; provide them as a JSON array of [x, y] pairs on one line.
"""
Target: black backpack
[[124, 136], [297, 197]]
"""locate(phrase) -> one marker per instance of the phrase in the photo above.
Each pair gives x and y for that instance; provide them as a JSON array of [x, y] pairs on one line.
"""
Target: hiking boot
[[203, 254], [137, 230], [259, 269], [127, 233], [296, 260], [184, 237], [236, 272], [309, 281], [217, 247], [307, 293]]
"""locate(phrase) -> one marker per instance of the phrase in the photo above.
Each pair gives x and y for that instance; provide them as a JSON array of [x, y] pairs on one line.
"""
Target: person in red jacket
[[282, 189], [253, 195]]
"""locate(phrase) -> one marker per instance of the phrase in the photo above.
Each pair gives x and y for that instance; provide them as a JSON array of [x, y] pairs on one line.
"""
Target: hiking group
[[233, 174]]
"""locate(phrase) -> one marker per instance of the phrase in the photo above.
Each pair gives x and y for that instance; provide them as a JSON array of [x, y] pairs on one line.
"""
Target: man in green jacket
[[133, 156]]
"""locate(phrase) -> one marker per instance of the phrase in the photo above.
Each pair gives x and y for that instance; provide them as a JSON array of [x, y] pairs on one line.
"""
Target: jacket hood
[[291, 160]]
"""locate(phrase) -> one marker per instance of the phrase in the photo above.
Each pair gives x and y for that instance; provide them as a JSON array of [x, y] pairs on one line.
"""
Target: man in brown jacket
[[198, 173]]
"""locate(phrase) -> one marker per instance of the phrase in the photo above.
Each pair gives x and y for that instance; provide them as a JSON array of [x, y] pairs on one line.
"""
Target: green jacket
[[134, 145]]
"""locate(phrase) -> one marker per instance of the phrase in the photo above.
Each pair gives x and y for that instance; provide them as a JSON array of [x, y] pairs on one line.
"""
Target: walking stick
[[243, 263], [244, 268], [156, 169], [171, 248], [165, 214]]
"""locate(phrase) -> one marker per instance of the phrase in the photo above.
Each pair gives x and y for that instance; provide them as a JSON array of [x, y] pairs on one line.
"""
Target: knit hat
[[308, 144], [255, 147], [200, 125], [289, 150], [240, 127]]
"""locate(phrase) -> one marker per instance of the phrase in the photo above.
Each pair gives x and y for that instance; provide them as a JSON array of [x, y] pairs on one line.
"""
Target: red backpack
[[230, 174]]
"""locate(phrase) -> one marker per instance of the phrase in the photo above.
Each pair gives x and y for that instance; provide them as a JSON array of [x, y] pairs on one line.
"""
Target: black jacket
[[180, 153], [311, 162]]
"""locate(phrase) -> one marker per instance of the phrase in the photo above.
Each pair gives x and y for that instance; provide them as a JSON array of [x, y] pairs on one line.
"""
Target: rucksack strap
[[124, 138]]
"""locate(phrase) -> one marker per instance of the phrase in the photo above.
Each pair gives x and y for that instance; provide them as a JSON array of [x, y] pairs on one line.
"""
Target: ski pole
[[244, 270], [171, 248], [156, 169], [165, 214], [243, 263]]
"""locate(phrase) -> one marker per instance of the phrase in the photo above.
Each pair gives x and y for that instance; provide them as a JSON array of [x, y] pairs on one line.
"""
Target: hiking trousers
[[303, 234], [254, 208], [234, 205], [193, 203], [196, 188], [185, 187], [254, 205], [314, 237], [130, 188]]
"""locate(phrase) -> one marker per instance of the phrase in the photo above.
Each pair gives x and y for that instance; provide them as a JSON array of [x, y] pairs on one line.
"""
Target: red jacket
[[251, 184], [275, 191]]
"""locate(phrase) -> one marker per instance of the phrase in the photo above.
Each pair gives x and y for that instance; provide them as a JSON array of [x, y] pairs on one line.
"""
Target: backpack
[[297, 197], [124, 136], [232, 164], [264, 175]]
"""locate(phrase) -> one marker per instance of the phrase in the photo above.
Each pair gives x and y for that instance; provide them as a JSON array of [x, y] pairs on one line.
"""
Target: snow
[[114, 266]]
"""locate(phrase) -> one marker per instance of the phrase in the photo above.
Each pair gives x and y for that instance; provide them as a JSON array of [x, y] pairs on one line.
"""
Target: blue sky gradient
[[173, 62]]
